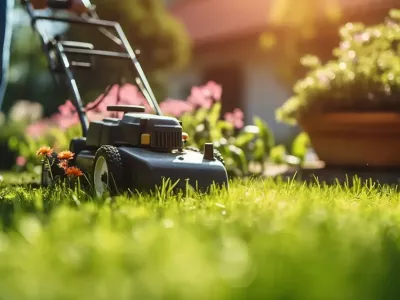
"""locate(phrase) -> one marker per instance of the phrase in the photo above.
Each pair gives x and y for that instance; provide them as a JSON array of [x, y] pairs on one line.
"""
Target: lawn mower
[[138, 151]]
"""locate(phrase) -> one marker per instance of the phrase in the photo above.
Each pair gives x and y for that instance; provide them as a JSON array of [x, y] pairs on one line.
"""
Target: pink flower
[[362, 37], [67, 108], [323, 77], [37, 129], [65, 121], [94, 116], [204, 96], [175, 108], [21, 161], [344, 45], [66, 117], [128, 94], [213, 90], [110, 99], [198, 98], [235, 118]]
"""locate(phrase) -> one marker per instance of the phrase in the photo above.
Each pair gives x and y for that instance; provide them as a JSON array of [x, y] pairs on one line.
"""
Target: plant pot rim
[[352, 117]]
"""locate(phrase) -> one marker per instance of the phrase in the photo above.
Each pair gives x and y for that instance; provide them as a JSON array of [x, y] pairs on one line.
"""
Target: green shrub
[[239, 146], [364, 74]]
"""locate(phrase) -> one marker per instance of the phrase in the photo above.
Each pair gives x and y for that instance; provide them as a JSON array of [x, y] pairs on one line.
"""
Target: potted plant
[[350, 105]]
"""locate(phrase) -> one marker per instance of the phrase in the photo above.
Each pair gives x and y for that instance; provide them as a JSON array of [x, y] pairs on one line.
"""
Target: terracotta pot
[[355, 139]]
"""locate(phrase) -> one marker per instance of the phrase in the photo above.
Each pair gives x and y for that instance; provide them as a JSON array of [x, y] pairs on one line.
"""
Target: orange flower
[[63, 164], [65, 155], [73, 172], [45, 151]]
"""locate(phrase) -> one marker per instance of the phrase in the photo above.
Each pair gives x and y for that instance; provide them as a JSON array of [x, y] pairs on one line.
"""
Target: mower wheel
[[107, 171], [217, 155], [52, 173]]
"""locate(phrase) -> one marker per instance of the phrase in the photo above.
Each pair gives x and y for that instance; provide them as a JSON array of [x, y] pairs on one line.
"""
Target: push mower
[[138, 151]]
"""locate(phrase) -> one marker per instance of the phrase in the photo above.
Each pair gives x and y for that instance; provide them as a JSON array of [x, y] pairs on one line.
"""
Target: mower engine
[[158, 133]]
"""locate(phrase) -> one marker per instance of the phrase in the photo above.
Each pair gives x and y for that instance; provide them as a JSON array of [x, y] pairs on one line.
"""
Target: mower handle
[[92, 19], [59, 4], [126, 108], [62, 4]]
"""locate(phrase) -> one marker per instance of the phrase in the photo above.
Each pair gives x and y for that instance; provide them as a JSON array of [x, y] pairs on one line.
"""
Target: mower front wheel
[[107, 171]]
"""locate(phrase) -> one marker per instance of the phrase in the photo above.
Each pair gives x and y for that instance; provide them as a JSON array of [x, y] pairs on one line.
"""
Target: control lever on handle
[[59, 4]]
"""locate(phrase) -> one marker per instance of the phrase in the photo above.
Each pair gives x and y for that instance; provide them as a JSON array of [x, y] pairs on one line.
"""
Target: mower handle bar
[[103, 25]]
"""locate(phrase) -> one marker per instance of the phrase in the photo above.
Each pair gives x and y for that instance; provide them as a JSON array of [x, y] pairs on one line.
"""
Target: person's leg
[[6, 10]]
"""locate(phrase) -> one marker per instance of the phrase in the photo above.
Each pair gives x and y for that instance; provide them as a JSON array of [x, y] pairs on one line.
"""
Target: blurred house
[[226, 48]]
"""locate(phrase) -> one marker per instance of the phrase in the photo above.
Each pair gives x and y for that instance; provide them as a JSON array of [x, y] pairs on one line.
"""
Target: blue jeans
[[6, 9]]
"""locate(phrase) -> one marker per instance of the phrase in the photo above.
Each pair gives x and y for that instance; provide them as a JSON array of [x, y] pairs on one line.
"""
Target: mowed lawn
[[263, 239]]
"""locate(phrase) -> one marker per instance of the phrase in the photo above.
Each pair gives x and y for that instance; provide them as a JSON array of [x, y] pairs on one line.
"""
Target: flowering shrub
[[200, 114], [12, 127], [363, 76], [240, 146]]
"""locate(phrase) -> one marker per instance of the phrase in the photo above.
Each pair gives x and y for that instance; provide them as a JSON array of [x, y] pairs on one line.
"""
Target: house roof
[[212, 20]]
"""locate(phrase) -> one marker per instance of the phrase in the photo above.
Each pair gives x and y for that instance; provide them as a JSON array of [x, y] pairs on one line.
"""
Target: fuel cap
[[209, 151]]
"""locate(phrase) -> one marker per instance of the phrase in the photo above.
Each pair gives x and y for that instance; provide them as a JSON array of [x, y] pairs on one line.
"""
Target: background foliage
[[363, 75], [162, 41]]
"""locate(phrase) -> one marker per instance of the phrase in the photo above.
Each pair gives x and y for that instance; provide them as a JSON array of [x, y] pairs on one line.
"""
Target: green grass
[[262, 240]]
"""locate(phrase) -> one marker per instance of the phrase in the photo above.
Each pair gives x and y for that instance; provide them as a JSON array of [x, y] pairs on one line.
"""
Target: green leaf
[[201, 114], [277, 154], [32, 145], [13, 143], [213, 122], [259, 154], [265, 134], [310, 61], [214, 114], [24, 150], [243, 139], [395, 14], [224, 125], [300, 146], [239, 158]]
